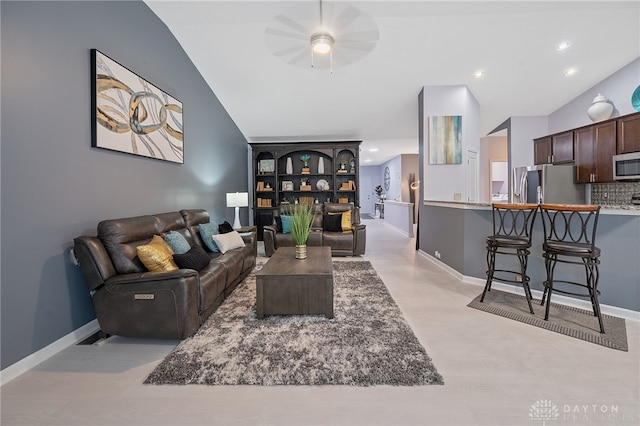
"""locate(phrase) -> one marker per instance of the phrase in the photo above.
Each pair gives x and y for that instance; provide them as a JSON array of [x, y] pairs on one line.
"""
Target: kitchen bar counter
[[458, 232], [623, 209], [399, 215]]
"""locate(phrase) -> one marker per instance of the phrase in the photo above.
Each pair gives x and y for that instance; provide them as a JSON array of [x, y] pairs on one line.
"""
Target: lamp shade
[[237, 199]]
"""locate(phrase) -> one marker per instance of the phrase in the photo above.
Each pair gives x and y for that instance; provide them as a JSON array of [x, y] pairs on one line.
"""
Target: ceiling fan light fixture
[[321, 43]]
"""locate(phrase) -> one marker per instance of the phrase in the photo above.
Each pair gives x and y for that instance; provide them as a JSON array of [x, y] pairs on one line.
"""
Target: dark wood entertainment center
[[331, 175]]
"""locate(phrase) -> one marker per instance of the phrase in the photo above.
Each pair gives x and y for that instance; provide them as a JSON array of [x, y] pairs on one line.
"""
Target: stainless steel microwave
[[626, 166]]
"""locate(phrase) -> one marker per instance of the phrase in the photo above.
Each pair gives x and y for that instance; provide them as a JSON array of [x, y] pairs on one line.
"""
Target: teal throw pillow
[[177, 242], [286, 223], [206, 231]]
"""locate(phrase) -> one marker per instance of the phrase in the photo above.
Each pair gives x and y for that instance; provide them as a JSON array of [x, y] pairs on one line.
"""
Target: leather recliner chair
[[344, 243]]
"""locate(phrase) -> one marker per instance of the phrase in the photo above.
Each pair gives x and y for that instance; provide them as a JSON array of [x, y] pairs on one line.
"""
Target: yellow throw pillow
[[346, 220], [156, 255]]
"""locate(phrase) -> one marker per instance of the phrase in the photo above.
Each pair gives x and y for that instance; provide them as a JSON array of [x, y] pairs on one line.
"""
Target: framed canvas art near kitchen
[[132, 115], [445, 139]]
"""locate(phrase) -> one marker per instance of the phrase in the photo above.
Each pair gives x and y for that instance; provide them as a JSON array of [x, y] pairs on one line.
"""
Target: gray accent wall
[[460, 235], [55, 186]]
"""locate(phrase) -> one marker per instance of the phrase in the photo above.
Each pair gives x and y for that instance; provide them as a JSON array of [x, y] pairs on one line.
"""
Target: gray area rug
[[567, 320], [367, 343]]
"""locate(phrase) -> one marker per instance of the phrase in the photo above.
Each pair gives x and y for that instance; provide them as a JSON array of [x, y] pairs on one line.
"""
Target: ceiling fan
[[322, 36]]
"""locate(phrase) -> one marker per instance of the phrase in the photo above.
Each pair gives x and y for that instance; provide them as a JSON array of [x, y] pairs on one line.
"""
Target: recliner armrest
[[359, 239], [269, 236], [251, 239], [150, 277]]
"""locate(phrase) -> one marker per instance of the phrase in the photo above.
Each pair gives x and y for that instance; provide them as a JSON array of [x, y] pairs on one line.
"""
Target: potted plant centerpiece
[[301, 218]]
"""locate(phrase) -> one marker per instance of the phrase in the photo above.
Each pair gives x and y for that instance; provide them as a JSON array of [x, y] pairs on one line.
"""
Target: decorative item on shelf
[[352, 164], [264, 202], [305, 159], [343, 167], [266, 166], [600, 109], [343, 200], [289, 167], [287, 185], [320, 166], [304, 184], [348, 186], [322, 185], [262, 186], [237, 200]]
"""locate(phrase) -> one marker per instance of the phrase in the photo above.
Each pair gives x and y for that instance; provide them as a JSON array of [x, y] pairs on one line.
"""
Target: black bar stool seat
[[569, 238], [512, 225]]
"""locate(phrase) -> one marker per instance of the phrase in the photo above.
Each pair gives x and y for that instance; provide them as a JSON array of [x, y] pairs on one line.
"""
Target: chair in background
[[569, 237], [512, 225]]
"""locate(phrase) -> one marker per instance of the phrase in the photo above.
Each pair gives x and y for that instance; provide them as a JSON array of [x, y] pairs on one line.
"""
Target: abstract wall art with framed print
[[132, 115], [445, 139]]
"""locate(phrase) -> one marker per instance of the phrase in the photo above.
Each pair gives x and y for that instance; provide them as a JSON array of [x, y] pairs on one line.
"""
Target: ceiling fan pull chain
[[331, 61], [312, 65]]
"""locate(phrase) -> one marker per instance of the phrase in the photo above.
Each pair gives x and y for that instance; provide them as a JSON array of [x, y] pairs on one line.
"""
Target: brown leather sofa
[[131, 301], [343, 243]]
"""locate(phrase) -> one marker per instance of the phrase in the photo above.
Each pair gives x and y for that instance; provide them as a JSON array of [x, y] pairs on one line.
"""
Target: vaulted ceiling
[[255, 56]]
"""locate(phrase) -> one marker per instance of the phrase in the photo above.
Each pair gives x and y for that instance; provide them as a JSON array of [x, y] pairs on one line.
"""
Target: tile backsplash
[[618, 193]]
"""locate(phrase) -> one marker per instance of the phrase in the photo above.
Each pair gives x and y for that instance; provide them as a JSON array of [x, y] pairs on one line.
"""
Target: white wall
[[440, 181], [521, 134], [618, 88], [374, 173]]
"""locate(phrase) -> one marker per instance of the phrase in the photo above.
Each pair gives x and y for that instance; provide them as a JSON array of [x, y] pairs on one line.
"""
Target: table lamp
[[237, 200]]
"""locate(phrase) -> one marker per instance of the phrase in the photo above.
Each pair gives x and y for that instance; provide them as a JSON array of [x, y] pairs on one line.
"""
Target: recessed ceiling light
[[368, 160], [570, 71], [478, 74], [562, 46], [374, 149]]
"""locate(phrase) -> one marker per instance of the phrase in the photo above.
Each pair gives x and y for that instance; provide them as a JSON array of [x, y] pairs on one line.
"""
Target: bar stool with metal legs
[[569, 237], [512, 225]]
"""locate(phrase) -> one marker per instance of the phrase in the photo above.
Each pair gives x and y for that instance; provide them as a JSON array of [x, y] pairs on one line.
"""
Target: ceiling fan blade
[[294, 49], [305, 53], [370, 35], [345, 18], [356, 45], [292, 24], [339, 58], [288, 34]]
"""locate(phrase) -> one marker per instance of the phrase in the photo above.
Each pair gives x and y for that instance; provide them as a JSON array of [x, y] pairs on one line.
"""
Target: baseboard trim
[[26, 364], [616, 311], [401, 231]]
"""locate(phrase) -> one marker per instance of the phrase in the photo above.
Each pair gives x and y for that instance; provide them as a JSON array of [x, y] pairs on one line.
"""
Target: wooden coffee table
[[289, 286]]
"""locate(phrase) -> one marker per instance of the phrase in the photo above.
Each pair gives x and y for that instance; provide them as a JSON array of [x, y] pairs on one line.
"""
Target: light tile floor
[[495, 371]]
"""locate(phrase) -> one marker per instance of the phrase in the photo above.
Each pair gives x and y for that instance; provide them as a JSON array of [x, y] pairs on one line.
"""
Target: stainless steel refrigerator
[[546, 183]]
